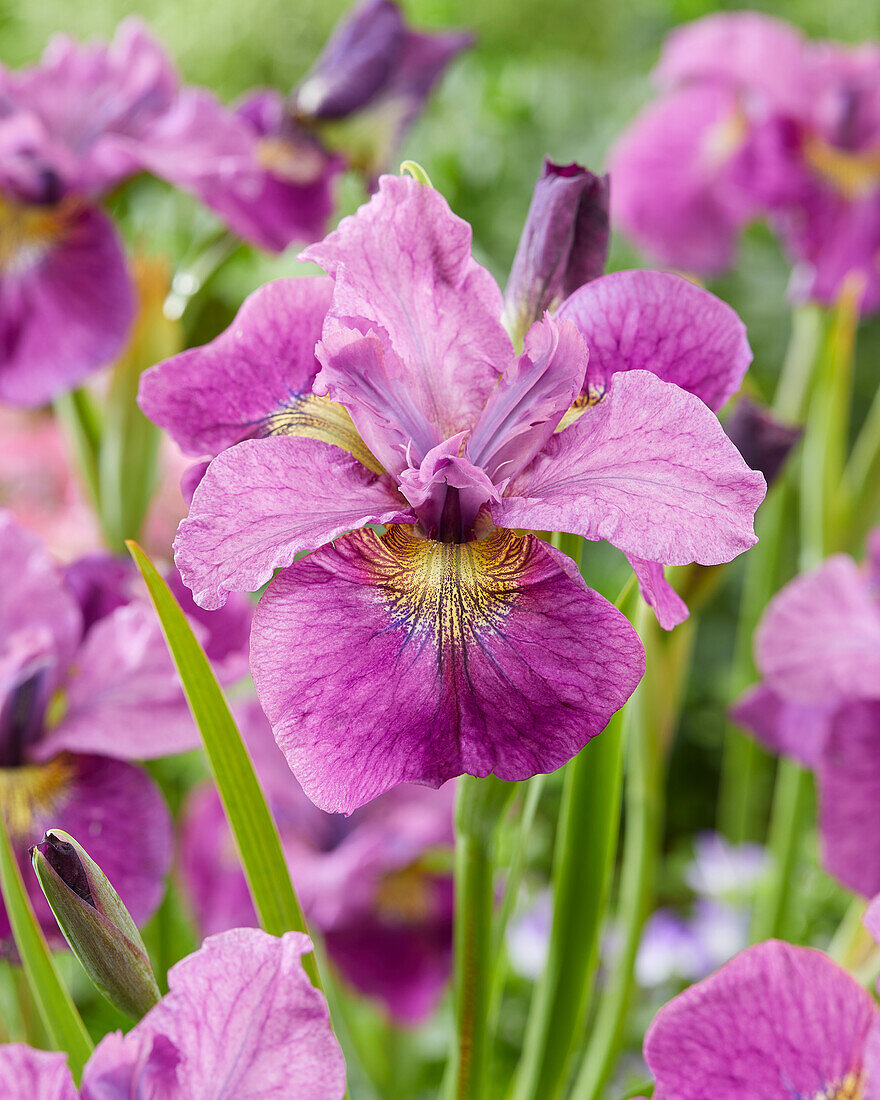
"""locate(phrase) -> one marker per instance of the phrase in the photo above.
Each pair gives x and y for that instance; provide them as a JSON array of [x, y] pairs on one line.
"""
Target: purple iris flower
[[241, 1018], [372, 884], [776, 1023], [86, 686], [449, 643], [371, 82], [754, 120], [818, 651]]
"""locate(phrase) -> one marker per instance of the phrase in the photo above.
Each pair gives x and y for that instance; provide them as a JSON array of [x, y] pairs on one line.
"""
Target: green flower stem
[[746, 767], [479, 804], [583, 862], [251, 822], [861, 480], [645, 756], [81, 425], [57, 1011], [823, 516]]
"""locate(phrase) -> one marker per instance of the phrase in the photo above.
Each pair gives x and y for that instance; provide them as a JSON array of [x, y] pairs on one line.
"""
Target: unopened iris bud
[[564, 244], [761, 437], [95, 923]]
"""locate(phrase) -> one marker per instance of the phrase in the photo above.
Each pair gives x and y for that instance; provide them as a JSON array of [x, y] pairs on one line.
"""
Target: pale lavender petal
[[404, 270], [123, 697], [381, 661], [36, 1074], [660, 322], [144, 1068], [819, 638], [264, 501], [530, 399], [118, 814], [563, 245], [849, 798], [677, 190], [658, 593], [211, 397], [65, 308], [793, 729], [775, 1022], [649, 469], [245, 1020]]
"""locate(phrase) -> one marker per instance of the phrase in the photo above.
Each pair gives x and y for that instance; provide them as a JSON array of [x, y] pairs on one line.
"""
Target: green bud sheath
[[95, 923]]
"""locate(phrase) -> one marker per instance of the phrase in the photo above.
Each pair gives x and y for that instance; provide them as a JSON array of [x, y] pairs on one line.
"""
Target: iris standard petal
[[776, 1021], [393, 659], [404, 274], [660, 322], [244, 1020], [650, 470], [254, 379], [819, 639], [66, 301], [264, 501]]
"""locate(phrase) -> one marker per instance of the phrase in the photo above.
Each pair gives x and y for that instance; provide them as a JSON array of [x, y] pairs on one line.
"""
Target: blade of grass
[[253, 827], [60, 1017]]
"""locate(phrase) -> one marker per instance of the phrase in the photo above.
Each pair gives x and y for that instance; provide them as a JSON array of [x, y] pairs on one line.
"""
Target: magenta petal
[[407, 967], [64, 314], [657, 592], [117, 813], [849, 797], [744, 49], [530, 399], [777, 1021], [404, 270], [659, 322], [650, 470], [33, 597], [267, 500], [819, 638], [381, 661], [36, 1074], [245, 1021], [123, 697], [792, 729], [211, 397], [674, 187]]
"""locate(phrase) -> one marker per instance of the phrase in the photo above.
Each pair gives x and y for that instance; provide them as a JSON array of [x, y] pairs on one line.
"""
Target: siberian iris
[[450, 643]]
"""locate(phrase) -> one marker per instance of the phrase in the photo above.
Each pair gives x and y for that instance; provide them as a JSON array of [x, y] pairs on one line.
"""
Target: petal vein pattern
[[393, 659], [405, 278]]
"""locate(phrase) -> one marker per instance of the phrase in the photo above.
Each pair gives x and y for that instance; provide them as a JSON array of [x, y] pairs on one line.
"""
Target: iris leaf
[[253, 827], [59, 1014]]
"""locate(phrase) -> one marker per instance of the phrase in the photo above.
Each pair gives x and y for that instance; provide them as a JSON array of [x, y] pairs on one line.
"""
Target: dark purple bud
[[355, 64], [65, 862], [761, 438], [564, 243], [375, 63]]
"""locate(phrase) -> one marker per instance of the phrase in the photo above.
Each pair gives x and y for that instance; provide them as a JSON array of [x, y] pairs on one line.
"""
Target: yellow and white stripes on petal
[[320, 418], [855, 175], [447, 592], [848, 1089], [32, 792], [28, 233]]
